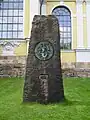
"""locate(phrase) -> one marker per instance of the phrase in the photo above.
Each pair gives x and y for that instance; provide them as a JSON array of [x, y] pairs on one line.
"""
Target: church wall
[[15, 63], [65, 56]]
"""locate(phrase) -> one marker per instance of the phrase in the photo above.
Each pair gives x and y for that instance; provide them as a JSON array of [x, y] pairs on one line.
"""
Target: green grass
[[76, 107]]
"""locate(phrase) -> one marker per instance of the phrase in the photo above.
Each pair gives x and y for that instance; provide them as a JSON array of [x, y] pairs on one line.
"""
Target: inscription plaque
[[44, 50]]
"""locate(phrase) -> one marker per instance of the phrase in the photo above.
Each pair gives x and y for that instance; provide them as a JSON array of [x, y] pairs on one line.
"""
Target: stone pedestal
[[43, 79]]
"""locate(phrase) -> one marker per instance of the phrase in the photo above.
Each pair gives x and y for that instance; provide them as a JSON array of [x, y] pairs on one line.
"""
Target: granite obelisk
[[43, 78]]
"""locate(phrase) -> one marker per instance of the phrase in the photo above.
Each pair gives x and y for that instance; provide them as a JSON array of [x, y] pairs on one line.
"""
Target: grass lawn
[[77, 106]]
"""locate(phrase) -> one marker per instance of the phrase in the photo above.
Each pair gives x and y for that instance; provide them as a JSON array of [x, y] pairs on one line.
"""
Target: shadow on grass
[[75, 102], [65, 102]]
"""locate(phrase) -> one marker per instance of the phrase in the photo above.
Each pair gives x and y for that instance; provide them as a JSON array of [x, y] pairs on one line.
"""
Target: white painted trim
[[83, 55], [74, 15], [67, 51], [71, 18], [84, 15], [88, 22], [82, 50], [61, 2], [80, 25], [34, 10], [44, 9], [24, 26]]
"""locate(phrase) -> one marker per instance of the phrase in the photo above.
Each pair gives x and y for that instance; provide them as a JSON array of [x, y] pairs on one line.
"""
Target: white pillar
[[79, 25], [44, 8], [61, 2], [34, 9], [88, 22]]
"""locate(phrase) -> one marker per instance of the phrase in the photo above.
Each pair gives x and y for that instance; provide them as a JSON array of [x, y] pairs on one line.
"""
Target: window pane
[[6, 0], [1, 6], [20, 13], [0, 35], [14, 26], [10, 20], [15, 12], [20, 5], [4, 27], [4, 19], [10, 12], [65, 29], [61, 34], [14, 34], [20, 34], [0, 27], [9, 26], [5, 12], [20, 27], [9, 34], [15, 19], [1, 20], [1, 12], [5, 5], [16, 5], [10, 5], [20, 19], [16, 0], [4, 35], [69, 29]]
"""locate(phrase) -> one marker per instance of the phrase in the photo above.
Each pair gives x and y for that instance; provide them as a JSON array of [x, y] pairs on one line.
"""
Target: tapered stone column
[[43, 79]]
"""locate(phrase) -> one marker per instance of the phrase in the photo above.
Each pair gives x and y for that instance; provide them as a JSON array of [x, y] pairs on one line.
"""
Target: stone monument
[[43, 79]]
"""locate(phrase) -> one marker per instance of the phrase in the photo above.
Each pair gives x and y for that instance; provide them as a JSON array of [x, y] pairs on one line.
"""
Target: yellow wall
[[50, 6], [26, 18], [68, 56], [84, 25], [0, 50], [72, 6], [21, 50]]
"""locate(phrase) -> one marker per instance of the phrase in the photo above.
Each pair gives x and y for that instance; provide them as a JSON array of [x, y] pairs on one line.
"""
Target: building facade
[[74, 21]]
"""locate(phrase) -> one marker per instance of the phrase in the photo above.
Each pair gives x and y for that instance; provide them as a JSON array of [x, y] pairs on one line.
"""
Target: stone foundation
[[79, 69], [13, 66], [81, 72]]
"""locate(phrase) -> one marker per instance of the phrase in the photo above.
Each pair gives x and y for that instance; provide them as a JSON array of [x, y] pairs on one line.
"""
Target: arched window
[[11, 19], [63, 15]]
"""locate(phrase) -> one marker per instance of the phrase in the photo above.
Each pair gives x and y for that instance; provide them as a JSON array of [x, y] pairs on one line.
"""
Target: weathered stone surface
[[43, 79], [12, 66]]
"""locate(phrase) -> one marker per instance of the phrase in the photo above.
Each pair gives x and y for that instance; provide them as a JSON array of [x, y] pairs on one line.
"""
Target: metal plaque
[[44, 50]]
